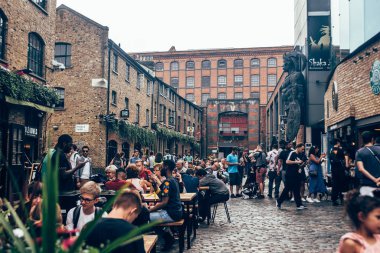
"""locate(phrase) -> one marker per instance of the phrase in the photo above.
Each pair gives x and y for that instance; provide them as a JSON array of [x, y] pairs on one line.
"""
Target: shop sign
[[31, 131], [375, 77], [124, 113], [82, 128], [319, 43]]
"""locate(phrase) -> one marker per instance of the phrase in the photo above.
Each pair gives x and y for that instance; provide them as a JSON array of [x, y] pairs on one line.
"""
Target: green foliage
[[136, 134], [19, 88], [176, 136]]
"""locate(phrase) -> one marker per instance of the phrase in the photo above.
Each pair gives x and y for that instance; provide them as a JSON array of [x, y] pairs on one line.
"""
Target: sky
[[156, 25]]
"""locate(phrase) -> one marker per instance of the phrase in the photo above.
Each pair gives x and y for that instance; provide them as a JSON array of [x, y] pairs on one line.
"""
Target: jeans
[[161, 215], [278, 180], [272, 176], [292, 184]]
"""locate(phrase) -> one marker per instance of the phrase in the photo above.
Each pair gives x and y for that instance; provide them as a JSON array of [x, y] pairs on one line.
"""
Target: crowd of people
[[168, 175]]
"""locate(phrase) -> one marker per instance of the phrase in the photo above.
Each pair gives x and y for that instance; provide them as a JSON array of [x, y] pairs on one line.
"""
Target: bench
[[150, 243], [181, 225]]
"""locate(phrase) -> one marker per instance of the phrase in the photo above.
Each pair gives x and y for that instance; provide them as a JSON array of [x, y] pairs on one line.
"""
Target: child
[[363, 208]]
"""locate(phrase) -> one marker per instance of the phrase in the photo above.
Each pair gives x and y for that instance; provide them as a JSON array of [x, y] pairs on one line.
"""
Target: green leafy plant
[[51, 243], [19, 88]]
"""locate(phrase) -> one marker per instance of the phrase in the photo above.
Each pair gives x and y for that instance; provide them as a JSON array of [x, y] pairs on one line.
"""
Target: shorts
[[234, 178], [260, 175]]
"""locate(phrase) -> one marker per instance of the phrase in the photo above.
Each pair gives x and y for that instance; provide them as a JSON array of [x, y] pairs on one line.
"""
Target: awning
[[29, 104]]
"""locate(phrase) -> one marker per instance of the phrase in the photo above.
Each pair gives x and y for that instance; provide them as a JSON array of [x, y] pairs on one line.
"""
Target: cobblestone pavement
[[258, 226]]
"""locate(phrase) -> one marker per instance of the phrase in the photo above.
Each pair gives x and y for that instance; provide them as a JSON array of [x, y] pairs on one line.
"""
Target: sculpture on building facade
[[293, 92]]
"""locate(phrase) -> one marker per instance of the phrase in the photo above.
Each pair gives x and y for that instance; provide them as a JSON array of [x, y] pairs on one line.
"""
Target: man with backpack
[[79, 216]]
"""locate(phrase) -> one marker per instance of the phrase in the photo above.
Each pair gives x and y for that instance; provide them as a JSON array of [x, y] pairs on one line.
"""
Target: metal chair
[[215, 207]]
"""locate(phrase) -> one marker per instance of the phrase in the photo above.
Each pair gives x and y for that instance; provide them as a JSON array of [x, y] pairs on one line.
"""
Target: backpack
[[76, 214]]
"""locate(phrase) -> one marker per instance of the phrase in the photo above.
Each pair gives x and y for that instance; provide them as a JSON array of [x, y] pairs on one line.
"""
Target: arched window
[[36, 54], [125, 147], [272, 62], [255, 63], [62, 53], [238, 64], [222, 64], [174, 65], [112, 150], [159, 66], [190, 65], [3, 33], [206, 64]]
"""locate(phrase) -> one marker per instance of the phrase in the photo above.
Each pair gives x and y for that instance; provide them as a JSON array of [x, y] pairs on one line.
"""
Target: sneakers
[[303, 199], [233, 196], [316, 200], [301, 207], [269, 196], [292, 200], [310, 200], [278, 205]]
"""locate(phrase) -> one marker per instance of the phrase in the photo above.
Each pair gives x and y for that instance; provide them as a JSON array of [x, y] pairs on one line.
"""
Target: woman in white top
[[133, 178]]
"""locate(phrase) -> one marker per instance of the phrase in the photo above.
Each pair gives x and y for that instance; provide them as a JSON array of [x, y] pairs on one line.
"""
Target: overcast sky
[[156, 25]]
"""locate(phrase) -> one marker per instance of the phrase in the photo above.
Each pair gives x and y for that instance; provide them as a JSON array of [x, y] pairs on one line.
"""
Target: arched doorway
[[112, 150], [125, 147]]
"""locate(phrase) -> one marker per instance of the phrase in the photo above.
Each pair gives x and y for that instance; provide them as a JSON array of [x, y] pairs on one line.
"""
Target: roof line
[[65, 7]]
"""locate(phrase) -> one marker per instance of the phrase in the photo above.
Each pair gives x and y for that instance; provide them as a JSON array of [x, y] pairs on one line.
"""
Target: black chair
[[215, 207]]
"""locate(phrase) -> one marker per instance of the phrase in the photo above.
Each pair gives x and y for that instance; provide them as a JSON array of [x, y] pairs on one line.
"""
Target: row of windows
[[222, 81], [221, 64], [223, 95]]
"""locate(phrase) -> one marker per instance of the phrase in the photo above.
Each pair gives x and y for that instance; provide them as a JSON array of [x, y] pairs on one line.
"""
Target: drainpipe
[[108, 96]]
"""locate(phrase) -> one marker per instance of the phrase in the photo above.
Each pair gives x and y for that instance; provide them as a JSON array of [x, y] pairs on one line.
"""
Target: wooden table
[[150, 242], [204, 188], [187, 199]]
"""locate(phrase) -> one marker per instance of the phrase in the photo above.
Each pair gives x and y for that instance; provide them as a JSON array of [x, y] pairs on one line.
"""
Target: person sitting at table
[[133, 178], [125, 210], [144, 173], [79, 216], [217, 189], [121, 174], [113, 182], [170, 207], [190, 181]]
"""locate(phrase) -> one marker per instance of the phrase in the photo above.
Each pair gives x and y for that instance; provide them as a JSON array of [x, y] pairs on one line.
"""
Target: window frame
[[275, 80], [137, 116], [126, 103], [187, 81], [225, 81], [207, 84], [39, 71], [206, 67], [61, 97], [220, 93], [161, 64], [174, 63], [115, 63], [240, 97], [172, 83], [187, 97], [66, 55], [3, 34], [190, 67], [40, 3], [220, 62], [258, 80], [238, 83], [202, 100], [114, 98], [127, 72], [271, 65], [238, 63], [140, 80], [255, 65], [257, 94]]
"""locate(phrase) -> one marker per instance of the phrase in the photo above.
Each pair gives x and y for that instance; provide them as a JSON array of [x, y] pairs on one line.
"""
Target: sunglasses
[[85, 199], [85, 151]]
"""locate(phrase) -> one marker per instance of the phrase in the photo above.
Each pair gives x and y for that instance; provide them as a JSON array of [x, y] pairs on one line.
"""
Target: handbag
[[313, 172]]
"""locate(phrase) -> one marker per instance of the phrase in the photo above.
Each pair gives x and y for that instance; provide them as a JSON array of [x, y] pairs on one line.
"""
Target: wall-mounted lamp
[[375, 49], [55, 128]]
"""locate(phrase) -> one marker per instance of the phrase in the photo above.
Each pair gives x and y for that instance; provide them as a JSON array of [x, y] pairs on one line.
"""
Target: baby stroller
[[250, 187]]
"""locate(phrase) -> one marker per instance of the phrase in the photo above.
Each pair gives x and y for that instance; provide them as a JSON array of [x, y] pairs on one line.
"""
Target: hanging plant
[[19, 88], [135, 134], [175, 136]]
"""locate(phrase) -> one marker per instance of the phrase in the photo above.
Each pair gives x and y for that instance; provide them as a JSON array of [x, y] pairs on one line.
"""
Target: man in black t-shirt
[[170, 207], [368, 161], [125, 210], [65, 172], [294, 164]]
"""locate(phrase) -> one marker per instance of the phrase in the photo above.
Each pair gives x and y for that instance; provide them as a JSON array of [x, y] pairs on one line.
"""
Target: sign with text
[[31, 131], [82, 128], [319, 43]]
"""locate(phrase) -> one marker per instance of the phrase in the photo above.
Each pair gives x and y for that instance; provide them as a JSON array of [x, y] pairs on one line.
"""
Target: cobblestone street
[[258, 226]]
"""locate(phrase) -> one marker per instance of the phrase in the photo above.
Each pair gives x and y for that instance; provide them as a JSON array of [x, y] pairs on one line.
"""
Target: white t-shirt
[[73, 159], [271, 158], [83, 219], [86, 170], [151, 161]]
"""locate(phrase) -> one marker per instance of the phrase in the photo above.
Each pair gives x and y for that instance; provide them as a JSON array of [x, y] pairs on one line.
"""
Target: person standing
[[272, 174], [280, 170], [118, 160], [338, 175], [168, 156], [151, 159], [135, 156], [74, 156], [188, 158], [261, 169], [368, 161], [233, 172], [293, 177], [84, 174], [316, 183], [65, 171]]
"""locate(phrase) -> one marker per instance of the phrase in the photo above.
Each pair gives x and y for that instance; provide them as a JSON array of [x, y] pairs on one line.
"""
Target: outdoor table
[[150, 242], [108, 194], [187, 198]]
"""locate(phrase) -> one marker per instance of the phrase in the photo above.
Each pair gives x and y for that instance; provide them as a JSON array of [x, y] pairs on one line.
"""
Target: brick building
[[231, 75], [352, 98], [108, 100], [26, 51]]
